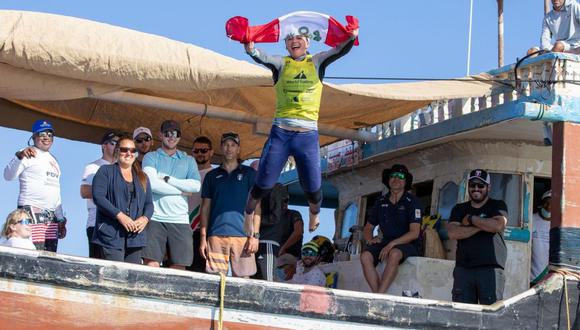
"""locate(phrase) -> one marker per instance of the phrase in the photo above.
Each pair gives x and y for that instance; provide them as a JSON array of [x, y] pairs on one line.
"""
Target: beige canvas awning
[[87, 76]]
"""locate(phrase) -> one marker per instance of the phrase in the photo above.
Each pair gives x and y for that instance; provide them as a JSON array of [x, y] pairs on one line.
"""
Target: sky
[[421, 38]]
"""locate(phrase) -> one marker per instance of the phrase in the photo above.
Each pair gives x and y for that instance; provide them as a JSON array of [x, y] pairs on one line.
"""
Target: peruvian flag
[[317, 26]]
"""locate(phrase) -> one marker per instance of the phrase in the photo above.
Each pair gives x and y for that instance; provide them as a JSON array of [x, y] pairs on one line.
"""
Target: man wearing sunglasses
[[202, 153], [143, 142], [108, 144], [39, 176], [298, 85], [398, 215], [307, 270], [173, 176], [477, 225]]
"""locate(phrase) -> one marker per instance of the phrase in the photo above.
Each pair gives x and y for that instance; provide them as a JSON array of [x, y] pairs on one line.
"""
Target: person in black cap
[[398, 214], [477, 225], [108, 144]]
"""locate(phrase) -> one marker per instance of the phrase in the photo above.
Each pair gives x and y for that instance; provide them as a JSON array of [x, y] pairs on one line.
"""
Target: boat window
[[349, 219], [423, 191], [447, 199], [541, 185], [507, 187]]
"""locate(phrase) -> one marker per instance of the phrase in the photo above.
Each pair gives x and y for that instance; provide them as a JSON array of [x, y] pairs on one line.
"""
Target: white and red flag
[[317, 26]]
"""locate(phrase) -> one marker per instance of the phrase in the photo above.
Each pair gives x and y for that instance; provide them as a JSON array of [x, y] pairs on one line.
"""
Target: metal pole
[[222, 113], [469, 40], [499, 33]]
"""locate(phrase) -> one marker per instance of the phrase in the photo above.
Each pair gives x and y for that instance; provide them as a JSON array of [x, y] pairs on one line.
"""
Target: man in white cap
[[541, 222], [108, 144], [143, 142]]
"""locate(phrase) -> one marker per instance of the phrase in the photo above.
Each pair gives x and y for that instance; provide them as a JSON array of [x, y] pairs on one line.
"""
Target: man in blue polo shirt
[[173, 176], [224, 195], [398, 214]]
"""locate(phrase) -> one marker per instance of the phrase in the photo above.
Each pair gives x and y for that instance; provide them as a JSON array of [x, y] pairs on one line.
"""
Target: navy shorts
[[303, 146], [479, 285], [408, 250]]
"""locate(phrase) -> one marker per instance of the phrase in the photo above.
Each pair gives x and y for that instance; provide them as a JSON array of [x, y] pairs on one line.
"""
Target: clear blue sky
[[422, 38]]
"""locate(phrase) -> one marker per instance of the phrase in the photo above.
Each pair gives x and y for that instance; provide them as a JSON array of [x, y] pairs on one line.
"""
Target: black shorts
[[408, 250], [480, 285], [175, 239]]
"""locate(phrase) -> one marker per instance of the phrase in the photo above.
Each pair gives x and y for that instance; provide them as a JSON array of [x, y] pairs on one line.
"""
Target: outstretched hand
[[249, 47], [354, 33]]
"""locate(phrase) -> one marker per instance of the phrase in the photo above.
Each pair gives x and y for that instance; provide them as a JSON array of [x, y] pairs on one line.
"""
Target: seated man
[[398, 213], [561, 28], [307, 270]]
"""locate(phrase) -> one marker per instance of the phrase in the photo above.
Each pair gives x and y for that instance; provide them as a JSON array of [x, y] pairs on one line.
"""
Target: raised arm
[[13, 169]]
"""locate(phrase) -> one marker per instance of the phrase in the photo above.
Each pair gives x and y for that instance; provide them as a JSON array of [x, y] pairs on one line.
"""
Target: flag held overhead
[[316, 26]]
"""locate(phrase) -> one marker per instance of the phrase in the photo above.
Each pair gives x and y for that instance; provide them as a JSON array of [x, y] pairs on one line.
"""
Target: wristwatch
[[166, 178], [256, 235], [470, 219]]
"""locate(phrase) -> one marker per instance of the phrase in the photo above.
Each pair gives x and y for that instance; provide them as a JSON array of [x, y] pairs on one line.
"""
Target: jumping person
[[298, 84]]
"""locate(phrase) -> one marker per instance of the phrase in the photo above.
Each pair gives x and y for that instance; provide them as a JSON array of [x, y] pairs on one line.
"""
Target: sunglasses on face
[[25, 221], [45, 134], [125, 150], [398, 175], [200, 150], [309, 253], [145, 139], [172, 134], [476, 185]]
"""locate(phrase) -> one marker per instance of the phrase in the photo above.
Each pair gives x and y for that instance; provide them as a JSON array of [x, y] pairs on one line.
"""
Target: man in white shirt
[[307, 270], [202, 152], [39, 176], [108, 143], [541, 239], [561, 28]]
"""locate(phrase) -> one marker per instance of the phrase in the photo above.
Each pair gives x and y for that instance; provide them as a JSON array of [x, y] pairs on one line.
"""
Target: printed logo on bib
[[240, 177], [417, 213]]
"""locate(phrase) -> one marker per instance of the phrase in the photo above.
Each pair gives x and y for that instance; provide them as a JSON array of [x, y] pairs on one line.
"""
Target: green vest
[[298, 90]]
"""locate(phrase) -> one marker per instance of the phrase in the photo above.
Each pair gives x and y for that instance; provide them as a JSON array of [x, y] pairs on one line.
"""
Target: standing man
[[224, 195], [541, 223], [39, 176], [398, 214], [298, 84], [143, 142], [477, 225], [202, 153], [108, 144], [173, 176]]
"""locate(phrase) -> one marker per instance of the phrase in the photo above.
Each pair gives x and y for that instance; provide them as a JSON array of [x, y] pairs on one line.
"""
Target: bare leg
[[369, 271], [391, 269], [558, 47], [314, 220], [533, 50]]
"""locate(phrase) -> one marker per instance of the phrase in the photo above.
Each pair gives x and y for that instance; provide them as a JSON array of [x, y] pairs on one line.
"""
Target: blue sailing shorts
[[282, 143]]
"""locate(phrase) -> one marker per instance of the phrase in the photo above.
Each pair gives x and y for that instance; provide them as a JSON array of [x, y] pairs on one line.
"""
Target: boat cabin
[[508, 133]]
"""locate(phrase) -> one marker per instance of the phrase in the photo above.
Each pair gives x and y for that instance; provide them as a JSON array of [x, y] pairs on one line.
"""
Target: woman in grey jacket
[[123, 197]]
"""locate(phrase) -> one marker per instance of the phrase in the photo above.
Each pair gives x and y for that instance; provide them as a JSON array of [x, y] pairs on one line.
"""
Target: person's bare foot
[[249, 223], [314, 221]]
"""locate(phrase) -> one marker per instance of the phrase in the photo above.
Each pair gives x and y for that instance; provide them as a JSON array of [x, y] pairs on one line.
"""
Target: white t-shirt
[[194, 201], [540, 245], [87, 179], [17, 242], [39, 178], [314, 276]]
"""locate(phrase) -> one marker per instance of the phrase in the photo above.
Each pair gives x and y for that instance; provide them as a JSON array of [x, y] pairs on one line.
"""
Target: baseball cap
[[140, 130], [286, 259], [547, 194], [170, 125], [481, 175], [310, 246], [230, 136], [108, 137], [41, 125]]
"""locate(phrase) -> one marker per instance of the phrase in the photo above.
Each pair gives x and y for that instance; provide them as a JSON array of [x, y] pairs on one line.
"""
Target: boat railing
[[546, 79]]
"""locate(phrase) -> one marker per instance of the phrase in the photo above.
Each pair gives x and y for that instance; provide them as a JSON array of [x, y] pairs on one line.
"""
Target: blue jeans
[[305, 149]]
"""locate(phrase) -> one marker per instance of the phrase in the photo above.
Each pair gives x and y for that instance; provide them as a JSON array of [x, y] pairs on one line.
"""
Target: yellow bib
[[298, 90]]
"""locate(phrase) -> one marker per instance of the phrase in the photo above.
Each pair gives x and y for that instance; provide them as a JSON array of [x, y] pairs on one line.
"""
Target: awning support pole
[[222, 113]]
